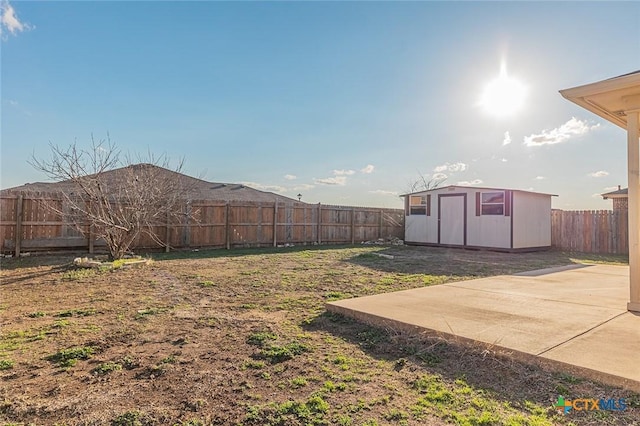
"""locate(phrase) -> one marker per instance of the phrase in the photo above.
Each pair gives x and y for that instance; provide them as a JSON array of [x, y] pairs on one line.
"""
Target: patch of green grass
[[145, 313], [298, 382], [343, 420], [336, 295], [372, 337], [171, 359], [568, 378], [61, 323], [190, 422], [252, 364], [261, 338], [6, 364], [280, 353], [76, 312], [395, 415], [461, 404], [248, 306], [129, 363], [207, 284], [106, 368], [130, 418], [78, 274], [310, 412], [66, 358]]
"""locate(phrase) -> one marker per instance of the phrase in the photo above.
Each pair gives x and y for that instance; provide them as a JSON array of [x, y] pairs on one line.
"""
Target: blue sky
[[343, 102]]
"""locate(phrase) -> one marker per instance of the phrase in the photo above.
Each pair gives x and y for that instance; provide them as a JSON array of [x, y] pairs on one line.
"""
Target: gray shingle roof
[[197, 189], [619, 193]]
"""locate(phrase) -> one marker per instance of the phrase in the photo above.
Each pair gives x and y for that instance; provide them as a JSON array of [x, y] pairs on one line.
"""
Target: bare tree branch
[[118, 204], [423, 183]]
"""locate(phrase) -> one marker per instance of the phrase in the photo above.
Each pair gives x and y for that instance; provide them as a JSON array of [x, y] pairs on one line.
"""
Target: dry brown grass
[[234, 337]]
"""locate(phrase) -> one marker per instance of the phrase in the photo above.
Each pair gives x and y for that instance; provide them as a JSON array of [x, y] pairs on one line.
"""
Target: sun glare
[[503, 96]]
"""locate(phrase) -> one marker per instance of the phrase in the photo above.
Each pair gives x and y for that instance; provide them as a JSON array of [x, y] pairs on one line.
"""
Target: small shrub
[[37, 314]]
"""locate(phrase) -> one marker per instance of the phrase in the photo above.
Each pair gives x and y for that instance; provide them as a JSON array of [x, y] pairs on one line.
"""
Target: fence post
[[380, 224], [227, 226], [187, 228], [18, 234], [275, 224], [319, 223], [167, 233], [353, 226]]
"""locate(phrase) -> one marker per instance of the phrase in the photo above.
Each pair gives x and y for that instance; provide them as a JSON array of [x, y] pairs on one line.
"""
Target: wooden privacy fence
[[599, 231], [27, 224]]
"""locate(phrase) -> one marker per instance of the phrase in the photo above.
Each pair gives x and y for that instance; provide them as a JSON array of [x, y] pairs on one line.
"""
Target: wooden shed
[[472, 217]]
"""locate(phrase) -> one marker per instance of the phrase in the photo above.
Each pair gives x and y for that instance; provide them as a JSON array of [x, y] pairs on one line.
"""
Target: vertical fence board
[[206, 223], [601, 231]]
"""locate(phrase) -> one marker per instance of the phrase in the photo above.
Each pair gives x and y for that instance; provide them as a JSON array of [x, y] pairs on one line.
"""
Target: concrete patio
[[572, 318]]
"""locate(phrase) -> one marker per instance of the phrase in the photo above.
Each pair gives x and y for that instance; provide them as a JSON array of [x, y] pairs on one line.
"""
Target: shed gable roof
[[477, 188]]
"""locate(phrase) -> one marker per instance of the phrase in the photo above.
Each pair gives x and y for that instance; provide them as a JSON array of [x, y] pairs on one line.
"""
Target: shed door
[[452, 219]]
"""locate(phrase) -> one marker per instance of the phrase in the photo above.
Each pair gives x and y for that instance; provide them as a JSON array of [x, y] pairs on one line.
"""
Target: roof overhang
[[480, 188], [610, 99]]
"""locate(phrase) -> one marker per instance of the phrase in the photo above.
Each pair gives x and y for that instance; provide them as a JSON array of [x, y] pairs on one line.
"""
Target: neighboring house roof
[[619, 193], [478, 187], [197, 189]]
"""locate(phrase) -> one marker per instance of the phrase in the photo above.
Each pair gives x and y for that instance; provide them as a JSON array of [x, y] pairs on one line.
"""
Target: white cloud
[[507, 139], [290, 177], [383, 192], [455, 167], [571, 128], [439, 176], [263, 187], [540, 177], [504, 160], [9, 20], [599, 174], [368, 169], [468, 183], [337, 180], [344, 172], [611, 188]]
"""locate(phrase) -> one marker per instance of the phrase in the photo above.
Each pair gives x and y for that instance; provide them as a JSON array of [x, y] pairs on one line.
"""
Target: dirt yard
[[242, 337]]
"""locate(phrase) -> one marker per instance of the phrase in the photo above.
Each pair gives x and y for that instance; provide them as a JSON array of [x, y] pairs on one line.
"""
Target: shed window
[[418, 205], [493, 203]]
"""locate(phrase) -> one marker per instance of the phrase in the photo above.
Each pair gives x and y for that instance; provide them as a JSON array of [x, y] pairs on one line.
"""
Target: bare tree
[[115, 204], [423, 183]]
